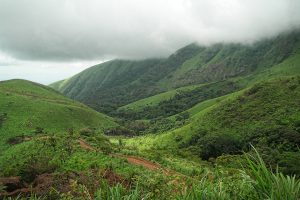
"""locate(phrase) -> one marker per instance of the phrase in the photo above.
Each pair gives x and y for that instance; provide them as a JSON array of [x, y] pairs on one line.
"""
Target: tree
[[213, 145]]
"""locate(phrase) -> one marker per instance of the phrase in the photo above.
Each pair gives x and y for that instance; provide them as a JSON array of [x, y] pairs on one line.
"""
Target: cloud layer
[[72, 30]]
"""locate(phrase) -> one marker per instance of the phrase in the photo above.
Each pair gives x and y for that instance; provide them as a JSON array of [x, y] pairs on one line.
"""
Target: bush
[[289, 163], [86, 132], [119, 131], [212, 145], [35, 166]]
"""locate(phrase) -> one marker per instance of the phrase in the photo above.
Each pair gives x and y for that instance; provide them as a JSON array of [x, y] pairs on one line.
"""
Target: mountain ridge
[[113, 84]]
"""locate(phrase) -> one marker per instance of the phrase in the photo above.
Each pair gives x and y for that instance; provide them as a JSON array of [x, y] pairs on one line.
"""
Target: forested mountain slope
[[108, 86]]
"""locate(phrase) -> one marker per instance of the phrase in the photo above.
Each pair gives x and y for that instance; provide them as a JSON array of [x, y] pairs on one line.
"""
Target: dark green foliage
[[39, 130], [3, 117], [182, 101], [101, 142], [16, 140], [86, 132], [182, 116], [138, 127], [160, 125], [212, 146], [283, 138], [119, 130], [289, 163], [34, 166]]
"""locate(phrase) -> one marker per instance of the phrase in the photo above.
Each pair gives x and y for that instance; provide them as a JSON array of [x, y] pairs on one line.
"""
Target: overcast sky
[[48, 40]]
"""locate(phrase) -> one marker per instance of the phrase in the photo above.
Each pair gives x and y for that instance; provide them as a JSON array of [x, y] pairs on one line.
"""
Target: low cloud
[[72, 30]]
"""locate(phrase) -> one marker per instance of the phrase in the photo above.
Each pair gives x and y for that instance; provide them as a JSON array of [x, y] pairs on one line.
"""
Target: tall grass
[[118, 192], [270, 185], [261, 184], [205, 190]]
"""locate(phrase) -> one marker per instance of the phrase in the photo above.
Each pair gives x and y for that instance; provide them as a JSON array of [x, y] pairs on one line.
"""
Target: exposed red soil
[[63, 183], [14, 185], [18, 140], [131, 159], [85, 145], [114, 178], [139, 161]]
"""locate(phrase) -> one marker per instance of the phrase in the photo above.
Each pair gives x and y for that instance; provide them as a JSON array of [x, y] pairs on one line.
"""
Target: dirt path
[[139, 161], [85, 145], [131, 159]]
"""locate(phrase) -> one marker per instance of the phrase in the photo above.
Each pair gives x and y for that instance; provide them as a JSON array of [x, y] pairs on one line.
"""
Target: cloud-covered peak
[[68, 30]]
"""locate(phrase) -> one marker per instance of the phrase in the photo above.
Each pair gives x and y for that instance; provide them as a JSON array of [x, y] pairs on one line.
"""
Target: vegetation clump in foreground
[[76, 166]]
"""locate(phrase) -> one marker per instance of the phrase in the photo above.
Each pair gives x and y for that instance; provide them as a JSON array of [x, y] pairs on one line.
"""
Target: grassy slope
[[29, 105], [120, 82], [221, 61], [156, 99], [289, 67], [276, 102]]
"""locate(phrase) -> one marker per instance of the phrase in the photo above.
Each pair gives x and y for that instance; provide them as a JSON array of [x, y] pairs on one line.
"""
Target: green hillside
[[266, 115], [186, 99], [114, 84], [119, 82], [275, 102], [156, 99], [27, 108]]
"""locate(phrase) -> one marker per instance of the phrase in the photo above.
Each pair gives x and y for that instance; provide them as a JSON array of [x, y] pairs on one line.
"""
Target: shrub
[[86, 132], [35, 166], [213, 145], [289, 163], [119, 131]]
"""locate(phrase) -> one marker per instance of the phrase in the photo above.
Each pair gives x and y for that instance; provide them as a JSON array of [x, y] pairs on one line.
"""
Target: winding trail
[[85, 145], [131, 159], [140, 161], [145, 163]]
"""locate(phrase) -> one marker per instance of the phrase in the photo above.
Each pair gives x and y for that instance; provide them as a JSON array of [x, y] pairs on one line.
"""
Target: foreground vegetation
[[58, 167]]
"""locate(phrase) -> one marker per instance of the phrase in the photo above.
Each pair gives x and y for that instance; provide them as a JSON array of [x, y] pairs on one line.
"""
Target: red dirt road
[[85, 145], [131, 159], [139, 161]]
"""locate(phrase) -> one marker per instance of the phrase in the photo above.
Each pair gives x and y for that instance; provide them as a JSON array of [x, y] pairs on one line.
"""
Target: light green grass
[[29, 105]]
